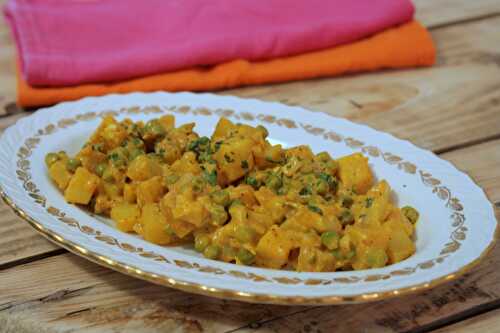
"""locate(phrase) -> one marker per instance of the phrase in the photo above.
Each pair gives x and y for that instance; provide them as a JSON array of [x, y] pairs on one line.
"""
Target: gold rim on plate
[[230, 294], [236, 295]]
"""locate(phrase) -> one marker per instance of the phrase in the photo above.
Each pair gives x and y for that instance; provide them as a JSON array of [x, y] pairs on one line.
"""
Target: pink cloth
[[66, 42]]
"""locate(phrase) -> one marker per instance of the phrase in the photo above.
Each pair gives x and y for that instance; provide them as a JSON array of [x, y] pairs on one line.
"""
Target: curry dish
[[236, 197]]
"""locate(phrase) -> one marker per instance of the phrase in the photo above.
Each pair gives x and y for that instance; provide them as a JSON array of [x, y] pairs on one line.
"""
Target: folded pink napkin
[[79, 41]]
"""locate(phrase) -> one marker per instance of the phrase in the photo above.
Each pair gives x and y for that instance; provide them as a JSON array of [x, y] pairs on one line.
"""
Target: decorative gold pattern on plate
[[442, 192]]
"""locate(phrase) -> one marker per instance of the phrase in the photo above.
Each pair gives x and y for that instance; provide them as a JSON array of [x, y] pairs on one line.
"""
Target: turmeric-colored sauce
[[236, 197]]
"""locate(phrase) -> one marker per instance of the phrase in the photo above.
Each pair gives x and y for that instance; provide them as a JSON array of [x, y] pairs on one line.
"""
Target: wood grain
[[74, 293], [435, 13], [453, 105], [487, 322], [439, 108]]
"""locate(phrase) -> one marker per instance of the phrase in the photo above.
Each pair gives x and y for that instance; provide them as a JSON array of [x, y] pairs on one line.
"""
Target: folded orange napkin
[[409, 45]]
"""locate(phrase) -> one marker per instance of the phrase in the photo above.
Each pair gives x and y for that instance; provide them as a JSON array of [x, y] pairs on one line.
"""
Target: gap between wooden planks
[[73, 293]]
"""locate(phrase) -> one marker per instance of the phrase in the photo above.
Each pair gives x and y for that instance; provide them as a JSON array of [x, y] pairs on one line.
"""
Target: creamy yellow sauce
[[236, 197]]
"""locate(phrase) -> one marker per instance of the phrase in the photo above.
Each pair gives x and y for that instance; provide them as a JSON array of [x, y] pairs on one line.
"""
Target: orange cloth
[[409, 45]]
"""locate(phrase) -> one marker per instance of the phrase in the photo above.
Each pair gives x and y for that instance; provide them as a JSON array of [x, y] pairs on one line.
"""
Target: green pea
[[252, 181], [118, 157], [198, 184], [273, 182], [330, 240], [210, 177], [322, 187], [323, 157], [337, 254], [201, 242], [410, 213], [346, 217], [100, 168], [72, 164], [203, 141], [154, 128], [211, 251], [51, 158], [218, 214], [351, 254], [244, 234], [221, 197], [107, 175], [245, 257], [376, 258], [168, 229], [306, 190], [228, 252]]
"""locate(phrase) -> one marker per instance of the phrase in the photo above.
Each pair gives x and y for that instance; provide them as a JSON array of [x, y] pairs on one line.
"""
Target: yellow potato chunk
[[355, 173], [167, 122], [125, 215], [314, 260], [59, 174], [149, 191], [234, 159], [154, 225], [186, 164], [129, 193], [81, 187], [143, 167], [400, 246], [223, 129], [273, 248]]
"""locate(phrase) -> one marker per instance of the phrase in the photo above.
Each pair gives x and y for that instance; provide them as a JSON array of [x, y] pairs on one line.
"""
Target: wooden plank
[[488, 322], [18, 240], [433, 13], [74, 293], [479, 162], [437, 108]]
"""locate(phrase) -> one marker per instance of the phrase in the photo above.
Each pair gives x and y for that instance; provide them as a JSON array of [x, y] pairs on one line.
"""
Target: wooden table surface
[[452, 109]]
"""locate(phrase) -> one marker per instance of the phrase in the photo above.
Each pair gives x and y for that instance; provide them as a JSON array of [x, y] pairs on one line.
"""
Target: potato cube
[[355, 172], [59, 174], [273, 248], [234, 159], [223, 129], [154, 225], [125, 215], [143, 167], [81, 187], [150, 191], [400, 246]]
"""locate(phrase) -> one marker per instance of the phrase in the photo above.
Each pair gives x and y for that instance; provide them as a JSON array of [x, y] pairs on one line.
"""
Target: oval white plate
[[456, 228]]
